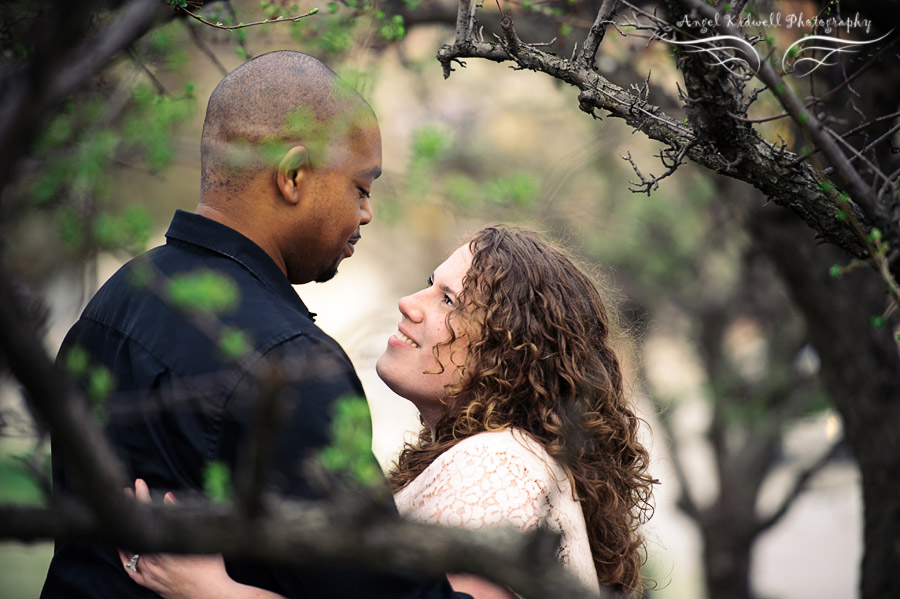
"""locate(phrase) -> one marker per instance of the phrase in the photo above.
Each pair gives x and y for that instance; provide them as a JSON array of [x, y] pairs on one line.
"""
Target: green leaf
[[76, 361], [203, 291], [217, 482], [234, 343], [350, 453], [99, 385], [429, 142]]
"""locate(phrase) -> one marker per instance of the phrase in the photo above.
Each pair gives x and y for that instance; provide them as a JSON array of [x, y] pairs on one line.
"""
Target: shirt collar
[[198, 230]]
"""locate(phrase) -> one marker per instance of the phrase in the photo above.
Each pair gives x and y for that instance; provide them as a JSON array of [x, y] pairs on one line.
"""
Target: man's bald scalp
[[266, 105]]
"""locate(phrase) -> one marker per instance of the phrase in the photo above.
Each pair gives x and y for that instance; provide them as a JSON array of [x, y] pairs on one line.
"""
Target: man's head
[[288, 156]]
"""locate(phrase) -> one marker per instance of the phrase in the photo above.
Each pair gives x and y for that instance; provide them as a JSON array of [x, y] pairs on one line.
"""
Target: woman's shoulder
[[510, 450], [488, 478]]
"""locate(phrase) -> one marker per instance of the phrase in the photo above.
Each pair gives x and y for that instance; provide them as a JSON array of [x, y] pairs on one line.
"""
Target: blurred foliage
[[217, 482], [97, 380], [17, 481], [234, 343], [442, 174], [349, 456], [203, 291], [124, 119]]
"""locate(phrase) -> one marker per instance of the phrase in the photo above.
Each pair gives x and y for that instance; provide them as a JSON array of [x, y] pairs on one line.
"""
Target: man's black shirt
[[184, 383]]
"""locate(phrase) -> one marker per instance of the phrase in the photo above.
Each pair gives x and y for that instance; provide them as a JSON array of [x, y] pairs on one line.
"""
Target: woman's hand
[[184, 576], [478, 587]]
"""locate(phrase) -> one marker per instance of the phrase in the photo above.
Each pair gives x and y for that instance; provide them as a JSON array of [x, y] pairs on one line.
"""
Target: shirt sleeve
[[481, 483]]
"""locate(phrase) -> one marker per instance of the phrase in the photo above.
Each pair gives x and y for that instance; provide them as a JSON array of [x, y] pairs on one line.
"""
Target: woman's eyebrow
[[443, 287]]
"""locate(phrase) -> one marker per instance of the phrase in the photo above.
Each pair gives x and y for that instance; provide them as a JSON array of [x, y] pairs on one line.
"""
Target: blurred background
[[720, 367]]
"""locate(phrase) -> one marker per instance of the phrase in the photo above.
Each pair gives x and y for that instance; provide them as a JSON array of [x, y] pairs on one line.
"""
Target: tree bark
[[859, 366], [728, 561]]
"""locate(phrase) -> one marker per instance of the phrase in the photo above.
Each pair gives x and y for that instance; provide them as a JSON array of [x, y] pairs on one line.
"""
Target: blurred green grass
[[22, 565]]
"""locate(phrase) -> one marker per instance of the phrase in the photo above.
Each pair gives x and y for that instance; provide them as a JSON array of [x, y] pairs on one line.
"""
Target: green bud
[[835, 271], [826, 186], [234, 344], [877, 321], [841, 215], [314, 11], [874, 235], [76, 361], [217, 482]]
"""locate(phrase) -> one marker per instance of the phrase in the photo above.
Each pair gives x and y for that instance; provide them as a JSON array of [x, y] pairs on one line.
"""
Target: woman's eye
[[430, 281], [448, 300]]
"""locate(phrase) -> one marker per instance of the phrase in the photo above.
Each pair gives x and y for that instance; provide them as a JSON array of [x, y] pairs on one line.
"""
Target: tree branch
[[799, 486], [860, 192], [351, 529], [597, 32], [685, 500], [198, 41], [218, 25], [32, 90], [64, 412], [774, 171]]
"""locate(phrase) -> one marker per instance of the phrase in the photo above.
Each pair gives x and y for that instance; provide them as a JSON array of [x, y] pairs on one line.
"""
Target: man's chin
[[329, 273]]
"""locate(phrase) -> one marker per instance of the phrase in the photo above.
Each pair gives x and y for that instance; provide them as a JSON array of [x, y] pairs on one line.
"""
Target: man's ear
[[292, 170]]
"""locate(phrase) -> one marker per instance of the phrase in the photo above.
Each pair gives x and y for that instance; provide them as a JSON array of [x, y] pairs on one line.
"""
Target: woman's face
[[408, 365]]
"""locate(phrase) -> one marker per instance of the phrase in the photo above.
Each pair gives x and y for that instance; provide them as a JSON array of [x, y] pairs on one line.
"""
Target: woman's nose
[[409, 307]]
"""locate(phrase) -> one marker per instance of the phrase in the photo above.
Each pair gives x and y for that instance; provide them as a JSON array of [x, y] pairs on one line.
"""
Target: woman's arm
[[186, 576], [483, 481]]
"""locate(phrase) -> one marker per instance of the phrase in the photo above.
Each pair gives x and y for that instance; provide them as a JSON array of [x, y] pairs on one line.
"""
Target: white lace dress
[[506, 478]]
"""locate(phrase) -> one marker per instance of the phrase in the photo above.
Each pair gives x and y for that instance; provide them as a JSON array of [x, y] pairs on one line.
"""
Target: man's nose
[[365, 212]]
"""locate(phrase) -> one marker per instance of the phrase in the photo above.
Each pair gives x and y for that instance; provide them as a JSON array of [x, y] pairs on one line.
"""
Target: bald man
[[288, 157]]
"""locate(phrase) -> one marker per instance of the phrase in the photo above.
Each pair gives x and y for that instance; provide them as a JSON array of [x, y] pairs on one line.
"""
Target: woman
[[506, 354]]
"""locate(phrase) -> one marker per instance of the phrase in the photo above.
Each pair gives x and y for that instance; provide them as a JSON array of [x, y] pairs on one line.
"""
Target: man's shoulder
[[162, 298]]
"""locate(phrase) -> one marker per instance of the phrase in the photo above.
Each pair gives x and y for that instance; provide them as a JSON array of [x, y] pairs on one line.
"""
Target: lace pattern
[[502, 477]]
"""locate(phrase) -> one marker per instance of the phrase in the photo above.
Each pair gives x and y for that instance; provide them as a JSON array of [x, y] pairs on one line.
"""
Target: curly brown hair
[[543, 364]]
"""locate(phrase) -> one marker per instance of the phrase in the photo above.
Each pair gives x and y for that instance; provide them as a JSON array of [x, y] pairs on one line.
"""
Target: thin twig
[[242, 42], [160, 88], [198, 41], [309, 13]]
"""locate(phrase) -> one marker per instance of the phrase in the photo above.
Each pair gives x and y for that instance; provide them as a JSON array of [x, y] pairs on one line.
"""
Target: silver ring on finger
[[132, 563]]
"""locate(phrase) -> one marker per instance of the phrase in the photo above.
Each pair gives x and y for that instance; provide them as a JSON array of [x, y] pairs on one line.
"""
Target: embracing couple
[[506, 354]]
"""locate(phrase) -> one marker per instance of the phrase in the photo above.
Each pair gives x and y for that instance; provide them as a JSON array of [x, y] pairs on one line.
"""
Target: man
[[189, 330]]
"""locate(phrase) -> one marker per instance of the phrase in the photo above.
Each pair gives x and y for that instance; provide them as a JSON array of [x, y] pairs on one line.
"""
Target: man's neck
[[247, 227]]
